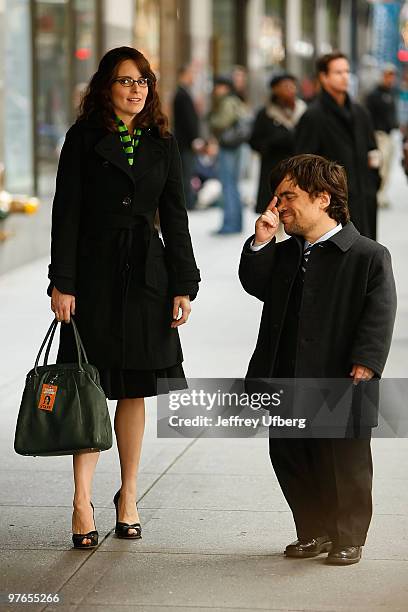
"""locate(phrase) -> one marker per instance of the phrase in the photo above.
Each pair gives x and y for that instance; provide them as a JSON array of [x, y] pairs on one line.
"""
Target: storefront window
[[2, 61], [306, 46], [18, 146], [85, 60], [224, 21], [147, 31], [52, 83], [65, 59], [333, 21], [272, 40]]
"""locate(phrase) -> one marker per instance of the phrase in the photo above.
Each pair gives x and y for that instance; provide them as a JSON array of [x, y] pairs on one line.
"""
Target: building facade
[[50, 49]]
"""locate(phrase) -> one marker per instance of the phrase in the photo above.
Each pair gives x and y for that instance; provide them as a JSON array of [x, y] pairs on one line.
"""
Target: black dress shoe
[[344, 555], [308, 548]]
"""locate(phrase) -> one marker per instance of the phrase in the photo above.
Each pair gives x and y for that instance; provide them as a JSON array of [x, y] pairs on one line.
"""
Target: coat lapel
[[110, 147], [147, 154]]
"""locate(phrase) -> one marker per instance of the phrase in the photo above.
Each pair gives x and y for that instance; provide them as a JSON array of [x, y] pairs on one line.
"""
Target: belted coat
[[107, 251]]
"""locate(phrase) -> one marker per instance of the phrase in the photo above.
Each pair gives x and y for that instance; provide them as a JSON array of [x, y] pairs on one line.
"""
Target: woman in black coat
[[119, 166], [273, 133]]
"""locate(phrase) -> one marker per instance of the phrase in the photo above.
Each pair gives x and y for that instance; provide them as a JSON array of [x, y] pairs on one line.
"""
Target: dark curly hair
[[315, 174], [97, 100]]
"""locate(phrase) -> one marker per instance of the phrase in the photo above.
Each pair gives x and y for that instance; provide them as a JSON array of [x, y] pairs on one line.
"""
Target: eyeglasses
[[129, 82]]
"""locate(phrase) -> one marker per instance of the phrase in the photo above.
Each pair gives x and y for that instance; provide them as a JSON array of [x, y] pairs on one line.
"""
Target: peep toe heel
[[122, 529]]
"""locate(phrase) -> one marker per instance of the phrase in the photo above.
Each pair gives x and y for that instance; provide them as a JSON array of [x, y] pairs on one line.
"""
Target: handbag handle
[[77, 337], [50, 336]]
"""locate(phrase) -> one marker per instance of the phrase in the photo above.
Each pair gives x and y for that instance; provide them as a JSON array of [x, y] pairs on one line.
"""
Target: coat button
[[127, 201], [105, 163]]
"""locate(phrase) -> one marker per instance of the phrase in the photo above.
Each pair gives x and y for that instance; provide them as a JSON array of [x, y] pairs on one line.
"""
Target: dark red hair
[[97, 99]]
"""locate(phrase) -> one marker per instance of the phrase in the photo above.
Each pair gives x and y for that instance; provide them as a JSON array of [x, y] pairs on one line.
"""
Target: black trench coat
[[106, 251], [325, 129], [348, 305]]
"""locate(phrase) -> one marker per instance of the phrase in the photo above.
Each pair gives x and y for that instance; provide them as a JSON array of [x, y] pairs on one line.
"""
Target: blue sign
[[386, 34]]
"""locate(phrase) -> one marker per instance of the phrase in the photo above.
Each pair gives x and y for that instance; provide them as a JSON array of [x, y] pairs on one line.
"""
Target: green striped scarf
[[129, 142]]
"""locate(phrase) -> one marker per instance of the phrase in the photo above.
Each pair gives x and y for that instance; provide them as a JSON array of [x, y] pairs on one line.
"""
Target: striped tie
[[303, 266], [306, 256]]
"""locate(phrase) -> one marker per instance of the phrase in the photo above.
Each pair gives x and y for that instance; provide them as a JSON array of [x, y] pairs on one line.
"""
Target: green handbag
[[63, 409]]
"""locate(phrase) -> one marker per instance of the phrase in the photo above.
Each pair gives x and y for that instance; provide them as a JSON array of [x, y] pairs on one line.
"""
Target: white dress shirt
[[307, 244]]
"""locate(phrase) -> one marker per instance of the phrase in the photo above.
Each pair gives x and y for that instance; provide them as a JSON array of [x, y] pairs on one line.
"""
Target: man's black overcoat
[[348, 306], [344, 135], [106, 251], [186, 121]]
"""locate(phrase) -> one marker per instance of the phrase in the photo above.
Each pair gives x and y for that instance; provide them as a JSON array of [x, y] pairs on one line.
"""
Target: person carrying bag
[[63, 409]]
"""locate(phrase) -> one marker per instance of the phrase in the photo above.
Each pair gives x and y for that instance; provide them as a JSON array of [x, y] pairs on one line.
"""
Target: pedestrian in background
[[186, 128], [225, 117], [382, 106], [339, 129], [273, 134], [240, 82], [246, 167], [109, 267], [329, 309]]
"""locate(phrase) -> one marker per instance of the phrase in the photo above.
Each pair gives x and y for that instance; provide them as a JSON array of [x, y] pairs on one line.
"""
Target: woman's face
[[285, 90], [128, 101]]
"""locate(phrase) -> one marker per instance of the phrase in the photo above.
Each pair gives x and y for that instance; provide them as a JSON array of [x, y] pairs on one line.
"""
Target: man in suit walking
[[329, 309], [186, 128], [335, 127]]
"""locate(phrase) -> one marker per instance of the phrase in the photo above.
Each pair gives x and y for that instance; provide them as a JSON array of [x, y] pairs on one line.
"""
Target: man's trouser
[[327, 484]]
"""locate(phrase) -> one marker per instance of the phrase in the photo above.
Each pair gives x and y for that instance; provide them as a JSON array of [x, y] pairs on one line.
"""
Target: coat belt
[[127, 225]]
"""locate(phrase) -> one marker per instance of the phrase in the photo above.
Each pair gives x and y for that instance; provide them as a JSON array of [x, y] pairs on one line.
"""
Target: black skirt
[[120, 384]]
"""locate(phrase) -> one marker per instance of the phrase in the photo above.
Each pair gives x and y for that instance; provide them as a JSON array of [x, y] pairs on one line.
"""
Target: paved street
[[214, 520]]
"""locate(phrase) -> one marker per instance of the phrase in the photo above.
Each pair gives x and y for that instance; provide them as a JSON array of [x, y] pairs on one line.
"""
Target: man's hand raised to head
[[267, 224]]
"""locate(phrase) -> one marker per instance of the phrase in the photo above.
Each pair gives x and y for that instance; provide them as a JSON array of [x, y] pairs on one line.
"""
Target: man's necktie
[[305, 259]]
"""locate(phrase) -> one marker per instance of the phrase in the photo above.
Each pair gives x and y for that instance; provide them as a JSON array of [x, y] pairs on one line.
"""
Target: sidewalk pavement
[[214, 520]]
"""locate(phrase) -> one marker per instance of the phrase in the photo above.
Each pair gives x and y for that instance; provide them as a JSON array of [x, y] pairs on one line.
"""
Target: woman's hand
[[63, 305], [180, 302], [267, 224]]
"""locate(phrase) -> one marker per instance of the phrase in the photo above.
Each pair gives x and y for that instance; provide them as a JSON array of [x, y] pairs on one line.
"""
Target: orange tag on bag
[[47, 398]]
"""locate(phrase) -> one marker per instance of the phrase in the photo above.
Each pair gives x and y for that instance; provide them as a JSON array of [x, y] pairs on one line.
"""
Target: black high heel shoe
[[91, 535], [122, 529]]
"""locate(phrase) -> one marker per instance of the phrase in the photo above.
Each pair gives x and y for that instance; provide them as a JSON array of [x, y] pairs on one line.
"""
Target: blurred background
[[49, 50]]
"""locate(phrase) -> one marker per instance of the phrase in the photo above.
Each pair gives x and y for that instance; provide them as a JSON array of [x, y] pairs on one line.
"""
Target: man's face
[[337, 78], [298, 212], [188, 75], [221, 89], [389, 79]]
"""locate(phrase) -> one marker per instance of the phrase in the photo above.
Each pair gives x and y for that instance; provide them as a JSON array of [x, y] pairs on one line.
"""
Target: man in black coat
[[329, 308], [341, 130], [186, 128], [273, 133]]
